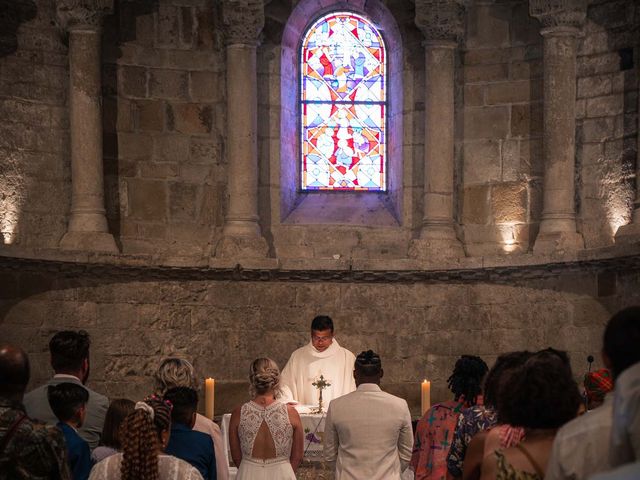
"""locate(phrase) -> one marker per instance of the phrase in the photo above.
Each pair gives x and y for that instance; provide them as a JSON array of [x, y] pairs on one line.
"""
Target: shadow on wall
[[13, 14]]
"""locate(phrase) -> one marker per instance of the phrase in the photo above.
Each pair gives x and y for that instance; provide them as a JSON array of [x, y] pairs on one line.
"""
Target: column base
[[628, 234], [558, 243], [89, 242], [436, 242], [241, 246]]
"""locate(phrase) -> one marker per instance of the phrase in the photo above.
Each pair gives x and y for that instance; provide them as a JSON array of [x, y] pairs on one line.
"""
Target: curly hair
[[495, 377], [140, 439], [264, 375], [175, 372], [466, 379], [539, 394]]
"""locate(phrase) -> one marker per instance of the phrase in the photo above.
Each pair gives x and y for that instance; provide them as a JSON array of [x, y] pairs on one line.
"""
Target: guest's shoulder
[[97, 397]]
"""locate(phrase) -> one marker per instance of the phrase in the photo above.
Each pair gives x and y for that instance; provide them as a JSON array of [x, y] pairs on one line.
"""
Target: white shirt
[[368, 434], [625, 432], [581, 447], [306, 364]]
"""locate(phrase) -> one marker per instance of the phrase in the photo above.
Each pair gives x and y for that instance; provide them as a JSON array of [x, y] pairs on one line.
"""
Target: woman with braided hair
[[265, 435], [434, 431], [144, 434]]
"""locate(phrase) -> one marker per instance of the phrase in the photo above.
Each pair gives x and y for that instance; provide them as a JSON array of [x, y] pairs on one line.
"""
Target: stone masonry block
[[598, 64], [159, 170], [206, 86], [481, 161], [526, 120], [486, 73], [509, 203], [475, 205], [598, 129], [513, 92], [167, 26], [149, 115], [488, 26], [171, 84], [605, 106], [525, 70], [594, 86], [192, 118], [147, 199], [486, 122], [183, 201], [488, 56], [133, 81], [171, 148], [134, 145], [474, 95]]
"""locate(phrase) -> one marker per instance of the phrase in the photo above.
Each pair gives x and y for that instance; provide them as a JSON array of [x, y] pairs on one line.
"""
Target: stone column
[[241, 236], [561, 23], [630, 233], [441, 22], [87, 229]]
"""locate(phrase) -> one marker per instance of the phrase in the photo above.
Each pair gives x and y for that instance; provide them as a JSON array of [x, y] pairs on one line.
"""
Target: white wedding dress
[[276, 418]]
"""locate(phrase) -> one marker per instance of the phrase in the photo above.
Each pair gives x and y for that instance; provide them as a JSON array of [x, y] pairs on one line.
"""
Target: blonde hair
[[175, 372], [264, 376]]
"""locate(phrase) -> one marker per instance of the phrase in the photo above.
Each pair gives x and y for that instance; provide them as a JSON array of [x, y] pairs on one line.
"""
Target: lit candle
[[209, 388], [426, 396]]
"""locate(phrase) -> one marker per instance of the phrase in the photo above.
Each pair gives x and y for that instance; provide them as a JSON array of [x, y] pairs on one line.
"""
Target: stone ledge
[[463, 270]]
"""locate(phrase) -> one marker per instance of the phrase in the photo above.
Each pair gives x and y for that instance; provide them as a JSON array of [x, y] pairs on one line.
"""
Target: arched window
[[343, 103]]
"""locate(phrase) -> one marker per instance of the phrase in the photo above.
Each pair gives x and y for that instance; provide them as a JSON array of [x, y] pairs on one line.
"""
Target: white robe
[[306, 364]]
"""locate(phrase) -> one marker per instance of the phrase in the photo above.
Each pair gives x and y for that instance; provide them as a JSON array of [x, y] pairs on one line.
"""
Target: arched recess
[[368, 208]]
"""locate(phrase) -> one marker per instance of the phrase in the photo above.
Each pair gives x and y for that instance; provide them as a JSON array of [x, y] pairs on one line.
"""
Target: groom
[[322, 356]]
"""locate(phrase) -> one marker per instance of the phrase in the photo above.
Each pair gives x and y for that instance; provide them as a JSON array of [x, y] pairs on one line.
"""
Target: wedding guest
[[265, 434], [30, 449], [69, 404], [184, 442], [368, 432], [144, 435], [501, 435], [110, 439], [539, 396], [580, 448], [70, 361], [178, 372], [434, 430]]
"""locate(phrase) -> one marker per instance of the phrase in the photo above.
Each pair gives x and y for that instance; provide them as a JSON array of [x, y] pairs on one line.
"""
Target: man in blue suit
[[184, 442]]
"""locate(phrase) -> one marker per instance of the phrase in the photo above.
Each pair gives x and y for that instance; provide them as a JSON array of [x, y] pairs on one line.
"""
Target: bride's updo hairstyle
[[264, 376]]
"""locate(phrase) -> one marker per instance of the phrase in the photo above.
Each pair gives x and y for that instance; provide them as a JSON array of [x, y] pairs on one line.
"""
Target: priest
[[321, 356]]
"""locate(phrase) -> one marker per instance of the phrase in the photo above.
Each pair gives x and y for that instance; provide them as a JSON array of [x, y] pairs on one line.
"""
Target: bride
[[265, 435]]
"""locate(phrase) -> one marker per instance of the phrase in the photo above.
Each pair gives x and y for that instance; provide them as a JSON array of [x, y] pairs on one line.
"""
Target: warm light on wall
[[509, 236]]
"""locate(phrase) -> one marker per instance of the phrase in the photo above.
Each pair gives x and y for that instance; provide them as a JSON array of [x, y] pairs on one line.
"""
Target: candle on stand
[[209, 392], [426, 396]]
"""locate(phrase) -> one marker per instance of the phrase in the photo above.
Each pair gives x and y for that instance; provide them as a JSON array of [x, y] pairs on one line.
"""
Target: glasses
[[315, 338]]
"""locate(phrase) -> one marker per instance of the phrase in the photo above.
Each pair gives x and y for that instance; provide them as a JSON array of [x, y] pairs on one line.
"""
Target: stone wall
[[222, 319]]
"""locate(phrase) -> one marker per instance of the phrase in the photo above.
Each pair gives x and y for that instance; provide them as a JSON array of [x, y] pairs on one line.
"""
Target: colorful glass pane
[[343, 104]]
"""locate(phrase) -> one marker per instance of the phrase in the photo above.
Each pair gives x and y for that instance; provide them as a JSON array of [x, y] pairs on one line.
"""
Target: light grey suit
[[368, 434], [37, 406]]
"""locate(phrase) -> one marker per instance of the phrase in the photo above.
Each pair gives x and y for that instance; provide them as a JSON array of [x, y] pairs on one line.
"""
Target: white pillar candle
[[426, 396], [209, 393]]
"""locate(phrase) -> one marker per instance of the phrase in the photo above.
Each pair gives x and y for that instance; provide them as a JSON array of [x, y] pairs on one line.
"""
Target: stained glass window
[[343, 104]]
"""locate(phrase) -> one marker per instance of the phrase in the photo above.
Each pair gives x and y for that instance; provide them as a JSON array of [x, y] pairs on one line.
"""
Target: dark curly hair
[[140, 438], [539, 394], [504, 363], [466, 379]]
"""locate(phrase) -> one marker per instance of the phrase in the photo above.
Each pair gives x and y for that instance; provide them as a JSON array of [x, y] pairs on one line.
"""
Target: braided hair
[[140, 438], [466, 379], [264, 376]]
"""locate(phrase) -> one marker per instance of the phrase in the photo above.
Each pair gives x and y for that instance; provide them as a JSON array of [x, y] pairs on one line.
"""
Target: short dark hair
[[185, 403], [118, 409], [322, 322], [66, 398], [368, 364], [69, 349], [504, 363], [621, 341], [467, 376], [539, 394], [14, 370]]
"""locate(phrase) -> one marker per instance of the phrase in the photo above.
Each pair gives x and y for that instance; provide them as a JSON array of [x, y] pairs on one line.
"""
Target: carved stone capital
[[440, 20], [243, 21], [559, 13], [73, 14]]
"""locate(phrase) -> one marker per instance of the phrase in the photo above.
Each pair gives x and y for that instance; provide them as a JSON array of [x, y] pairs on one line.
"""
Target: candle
[[209, 392], [426, 396]]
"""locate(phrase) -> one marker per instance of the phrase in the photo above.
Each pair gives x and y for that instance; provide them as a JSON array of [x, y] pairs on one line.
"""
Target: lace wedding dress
[[276, 417], [169, 468]]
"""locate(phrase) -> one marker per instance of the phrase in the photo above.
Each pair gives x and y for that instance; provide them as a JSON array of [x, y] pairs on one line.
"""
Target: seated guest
[[184, 442], [110, 438], [580, 448], [539, 396], [368, 432], [144, 435], [70, 361], [435, 428], [30, 449], [177, 372], [501, 435], [68, 402]]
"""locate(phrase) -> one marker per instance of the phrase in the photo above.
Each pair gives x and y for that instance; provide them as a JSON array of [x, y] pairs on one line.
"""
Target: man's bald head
[[14, 371]]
